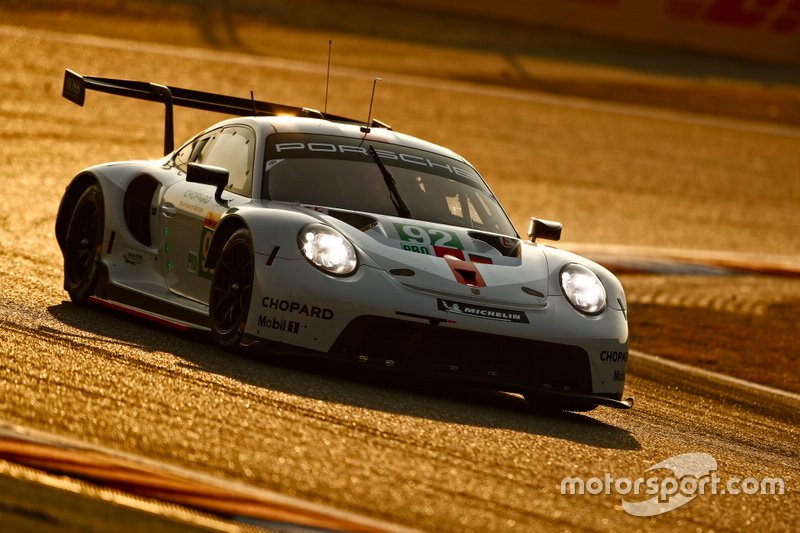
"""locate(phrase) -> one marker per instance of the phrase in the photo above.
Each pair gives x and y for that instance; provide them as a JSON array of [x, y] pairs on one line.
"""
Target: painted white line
[[716, 376], [786, 260], [238, 58], [585, 104], [686, 261]]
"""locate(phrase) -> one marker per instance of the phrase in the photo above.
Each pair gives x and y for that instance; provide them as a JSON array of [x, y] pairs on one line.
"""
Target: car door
[[189, 212]]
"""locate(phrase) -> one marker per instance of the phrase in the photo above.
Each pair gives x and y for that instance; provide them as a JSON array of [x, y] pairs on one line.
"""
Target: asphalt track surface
[[418, 455]]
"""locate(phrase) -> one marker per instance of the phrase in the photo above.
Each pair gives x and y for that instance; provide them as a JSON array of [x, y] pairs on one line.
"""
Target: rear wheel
[[231, 288], [83, 246]]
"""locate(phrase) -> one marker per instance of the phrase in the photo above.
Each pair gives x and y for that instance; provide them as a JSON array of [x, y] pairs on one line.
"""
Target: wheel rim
[[83, 243], [233, 282]]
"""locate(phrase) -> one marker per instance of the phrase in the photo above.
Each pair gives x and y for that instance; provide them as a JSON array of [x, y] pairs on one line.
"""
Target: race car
[[308, 233]]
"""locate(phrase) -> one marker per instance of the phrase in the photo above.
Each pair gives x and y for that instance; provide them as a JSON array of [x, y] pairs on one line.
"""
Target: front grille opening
[[478, 356], [470, 277]]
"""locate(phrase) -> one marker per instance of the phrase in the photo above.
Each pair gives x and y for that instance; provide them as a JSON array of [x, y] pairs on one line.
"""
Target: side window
[[232, 149], [182, 157], [191, 151]]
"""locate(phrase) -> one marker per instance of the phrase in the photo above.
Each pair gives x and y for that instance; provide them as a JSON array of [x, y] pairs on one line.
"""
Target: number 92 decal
[[427, 236]]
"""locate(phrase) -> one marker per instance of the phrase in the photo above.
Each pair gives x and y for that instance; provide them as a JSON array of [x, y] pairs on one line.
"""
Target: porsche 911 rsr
[[309, 233]]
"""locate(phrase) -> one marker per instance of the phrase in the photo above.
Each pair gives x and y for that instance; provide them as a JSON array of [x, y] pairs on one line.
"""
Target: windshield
[[340, 172]]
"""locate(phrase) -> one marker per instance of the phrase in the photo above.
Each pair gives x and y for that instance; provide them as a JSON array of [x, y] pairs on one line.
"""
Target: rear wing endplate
[[75, 87]]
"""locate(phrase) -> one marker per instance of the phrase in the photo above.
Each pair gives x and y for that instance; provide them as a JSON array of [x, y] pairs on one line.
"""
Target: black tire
[[231, 288], [83, 246]]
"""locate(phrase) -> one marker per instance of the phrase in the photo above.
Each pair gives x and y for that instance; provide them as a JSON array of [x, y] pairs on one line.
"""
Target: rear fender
[[74, 190]]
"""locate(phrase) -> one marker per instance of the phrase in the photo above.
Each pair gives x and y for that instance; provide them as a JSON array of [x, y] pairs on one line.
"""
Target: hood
[[448, 260]]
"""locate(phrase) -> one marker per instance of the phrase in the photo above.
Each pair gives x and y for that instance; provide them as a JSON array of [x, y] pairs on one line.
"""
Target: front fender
[[269, 229], [557, 258]]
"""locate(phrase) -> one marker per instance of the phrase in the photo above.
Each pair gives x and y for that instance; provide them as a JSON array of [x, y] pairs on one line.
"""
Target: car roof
[[288, 124]]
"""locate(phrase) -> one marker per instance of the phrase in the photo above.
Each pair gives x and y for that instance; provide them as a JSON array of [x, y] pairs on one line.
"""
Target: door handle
[[169, 210]]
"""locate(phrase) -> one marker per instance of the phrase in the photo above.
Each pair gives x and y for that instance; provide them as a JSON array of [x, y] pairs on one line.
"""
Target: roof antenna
[[328, 77], [253, 101], [366, 128]]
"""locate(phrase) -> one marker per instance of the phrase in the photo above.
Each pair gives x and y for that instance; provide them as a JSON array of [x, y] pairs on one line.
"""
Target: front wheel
[[231, 287], [83, 246]]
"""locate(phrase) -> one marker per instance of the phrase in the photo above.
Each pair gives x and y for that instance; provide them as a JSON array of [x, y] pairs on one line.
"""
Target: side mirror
[[544, 229], [208, 175]]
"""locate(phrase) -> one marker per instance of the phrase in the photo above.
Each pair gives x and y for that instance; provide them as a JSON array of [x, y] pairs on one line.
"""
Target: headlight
[[328, 250], [583, 289]]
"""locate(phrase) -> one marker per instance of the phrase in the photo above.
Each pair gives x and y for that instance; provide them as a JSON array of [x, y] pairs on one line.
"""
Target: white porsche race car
[[314, 234]]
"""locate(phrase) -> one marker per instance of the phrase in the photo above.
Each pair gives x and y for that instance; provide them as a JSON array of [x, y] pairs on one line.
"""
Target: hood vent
[[508, 246], [357, 220]]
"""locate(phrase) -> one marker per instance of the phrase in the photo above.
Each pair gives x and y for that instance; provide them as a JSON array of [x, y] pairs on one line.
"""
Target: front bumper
[[371, 318]]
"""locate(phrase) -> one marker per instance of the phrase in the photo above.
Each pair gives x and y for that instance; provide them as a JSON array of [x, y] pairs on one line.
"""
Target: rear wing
[[75, 87]]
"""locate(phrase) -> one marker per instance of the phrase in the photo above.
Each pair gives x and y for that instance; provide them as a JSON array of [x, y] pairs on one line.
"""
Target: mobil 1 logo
[[278, 324]]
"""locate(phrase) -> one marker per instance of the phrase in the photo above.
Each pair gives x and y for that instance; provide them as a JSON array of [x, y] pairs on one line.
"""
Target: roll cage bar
[[75, 87]]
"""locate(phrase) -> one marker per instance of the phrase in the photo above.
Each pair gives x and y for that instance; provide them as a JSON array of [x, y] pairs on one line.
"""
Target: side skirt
[[152, 308]]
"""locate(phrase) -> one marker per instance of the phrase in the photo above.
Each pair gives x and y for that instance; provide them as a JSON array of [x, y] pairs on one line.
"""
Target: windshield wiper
[[397, 200]]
